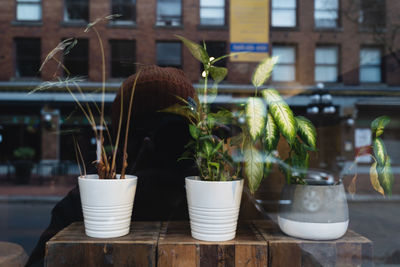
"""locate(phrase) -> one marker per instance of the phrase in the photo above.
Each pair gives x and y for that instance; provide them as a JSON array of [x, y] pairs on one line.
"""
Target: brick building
[[345, 44]]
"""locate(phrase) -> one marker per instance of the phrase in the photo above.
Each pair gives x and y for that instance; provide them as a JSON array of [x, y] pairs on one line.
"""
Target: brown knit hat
[[156, 89]]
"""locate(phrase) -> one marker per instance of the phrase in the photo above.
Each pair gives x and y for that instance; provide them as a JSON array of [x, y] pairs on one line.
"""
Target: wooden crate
[[177, 248], [71, 247], [350, 250]]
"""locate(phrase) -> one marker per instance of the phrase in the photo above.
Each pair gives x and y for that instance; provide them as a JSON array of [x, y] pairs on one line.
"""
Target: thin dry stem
[[76, 155], [125, 155], [119, 130], [81, 157]]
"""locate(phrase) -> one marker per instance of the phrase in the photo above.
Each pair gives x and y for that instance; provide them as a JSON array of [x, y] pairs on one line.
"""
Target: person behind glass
[[156, 141]]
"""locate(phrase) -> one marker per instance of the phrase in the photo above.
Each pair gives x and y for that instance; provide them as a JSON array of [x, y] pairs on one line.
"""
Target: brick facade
[[348, 37]]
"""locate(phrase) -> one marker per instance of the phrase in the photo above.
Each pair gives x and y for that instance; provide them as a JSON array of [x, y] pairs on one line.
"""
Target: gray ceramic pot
[[316, 211]]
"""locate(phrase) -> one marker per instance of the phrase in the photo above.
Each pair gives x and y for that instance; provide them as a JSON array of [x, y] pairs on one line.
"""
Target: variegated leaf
[[282, 114], [306, 131], [387, 177], [197, 50], [373, 175], [271, 133], [255, 116], [263, 71], [352, 186], [379, 124], [379, 151], [253, 167]]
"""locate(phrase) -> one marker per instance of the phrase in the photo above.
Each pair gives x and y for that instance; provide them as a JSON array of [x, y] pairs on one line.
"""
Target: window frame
[[38, 2], [17, 59], [338, 62], [363, 25], [123, 22], [338, 20], [111, 41], [162, 23], [213, 25], [381, 65], [296, 58], [87, 40], [181, 54], [76, 21], [291, 28]]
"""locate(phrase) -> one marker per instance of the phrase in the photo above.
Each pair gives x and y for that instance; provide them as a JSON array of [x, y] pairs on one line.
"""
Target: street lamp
[[321, 102]]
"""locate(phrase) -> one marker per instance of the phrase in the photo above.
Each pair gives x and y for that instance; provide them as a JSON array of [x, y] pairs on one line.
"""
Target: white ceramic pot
[[316, 212], [213, 208], [107, 205]]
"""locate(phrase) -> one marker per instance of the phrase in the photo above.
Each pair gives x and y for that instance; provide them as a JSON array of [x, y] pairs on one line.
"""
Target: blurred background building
[[339, 65]]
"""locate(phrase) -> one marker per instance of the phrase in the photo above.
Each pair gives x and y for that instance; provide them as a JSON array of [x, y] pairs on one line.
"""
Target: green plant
[[209, 151], [106, 165], [260, 135], [268, 119], [24, 153]]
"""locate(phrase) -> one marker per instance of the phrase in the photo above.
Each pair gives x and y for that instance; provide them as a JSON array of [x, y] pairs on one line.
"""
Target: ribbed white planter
[[213, 208], [107, 205]]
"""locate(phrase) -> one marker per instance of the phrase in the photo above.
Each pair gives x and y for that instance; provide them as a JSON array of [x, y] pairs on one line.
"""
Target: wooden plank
[[71, 247], [176, 247], [350, 250]]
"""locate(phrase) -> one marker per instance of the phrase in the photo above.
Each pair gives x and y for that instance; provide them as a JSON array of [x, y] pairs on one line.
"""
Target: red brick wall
[[348, 37]]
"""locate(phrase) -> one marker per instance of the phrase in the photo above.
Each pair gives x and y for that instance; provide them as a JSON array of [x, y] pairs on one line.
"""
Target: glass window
[[216, 49], [326, 13], [372, 13], [212, 12], [27, 57], [127, 10], [122, 58], [285, 69], [76, 10], [169, 54], [29, 10], [77, 60], [326, 64], [370, 65], [169, 12], [283, 13]]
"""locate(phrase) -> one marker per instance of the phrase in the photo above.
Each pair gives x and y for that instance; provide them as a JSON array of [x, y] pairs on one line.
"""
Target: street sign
[[249, 30]]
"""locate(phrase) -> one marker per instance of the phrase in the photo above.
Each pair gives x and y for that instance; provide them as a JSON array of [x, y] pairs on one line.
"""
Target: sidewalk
[[34, 193]]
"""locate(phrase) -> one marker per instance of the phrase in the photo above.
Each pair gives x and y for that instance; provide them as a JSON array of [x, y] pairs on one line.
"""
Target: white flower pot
[[316, 212], [213, 208], [107, 205]]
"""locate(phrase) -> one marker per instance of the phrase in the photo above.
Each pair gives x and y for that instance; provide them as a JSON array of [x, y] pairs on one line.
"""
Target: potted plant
[[314, 208], [214, 196], [106, 197], [313, 204], [23, 164]]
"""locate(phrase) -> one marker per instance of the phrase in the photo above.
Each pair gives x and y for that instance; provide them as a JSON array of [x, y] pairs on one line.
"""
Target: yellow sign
[[249, 30]]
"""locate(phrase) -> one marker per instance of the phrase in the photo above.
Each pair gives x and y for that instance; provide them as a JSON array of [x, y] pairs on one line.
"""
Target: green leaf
[[255, 115], [179, 109], [194, 131], [197, 50], [221, 117], [271, 133], [253, 167], [387, 177], [379, 151], [373, 175], [218, 73], [263, 71], [207, 148], [282, 114], [379, 124], [306, 131]]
